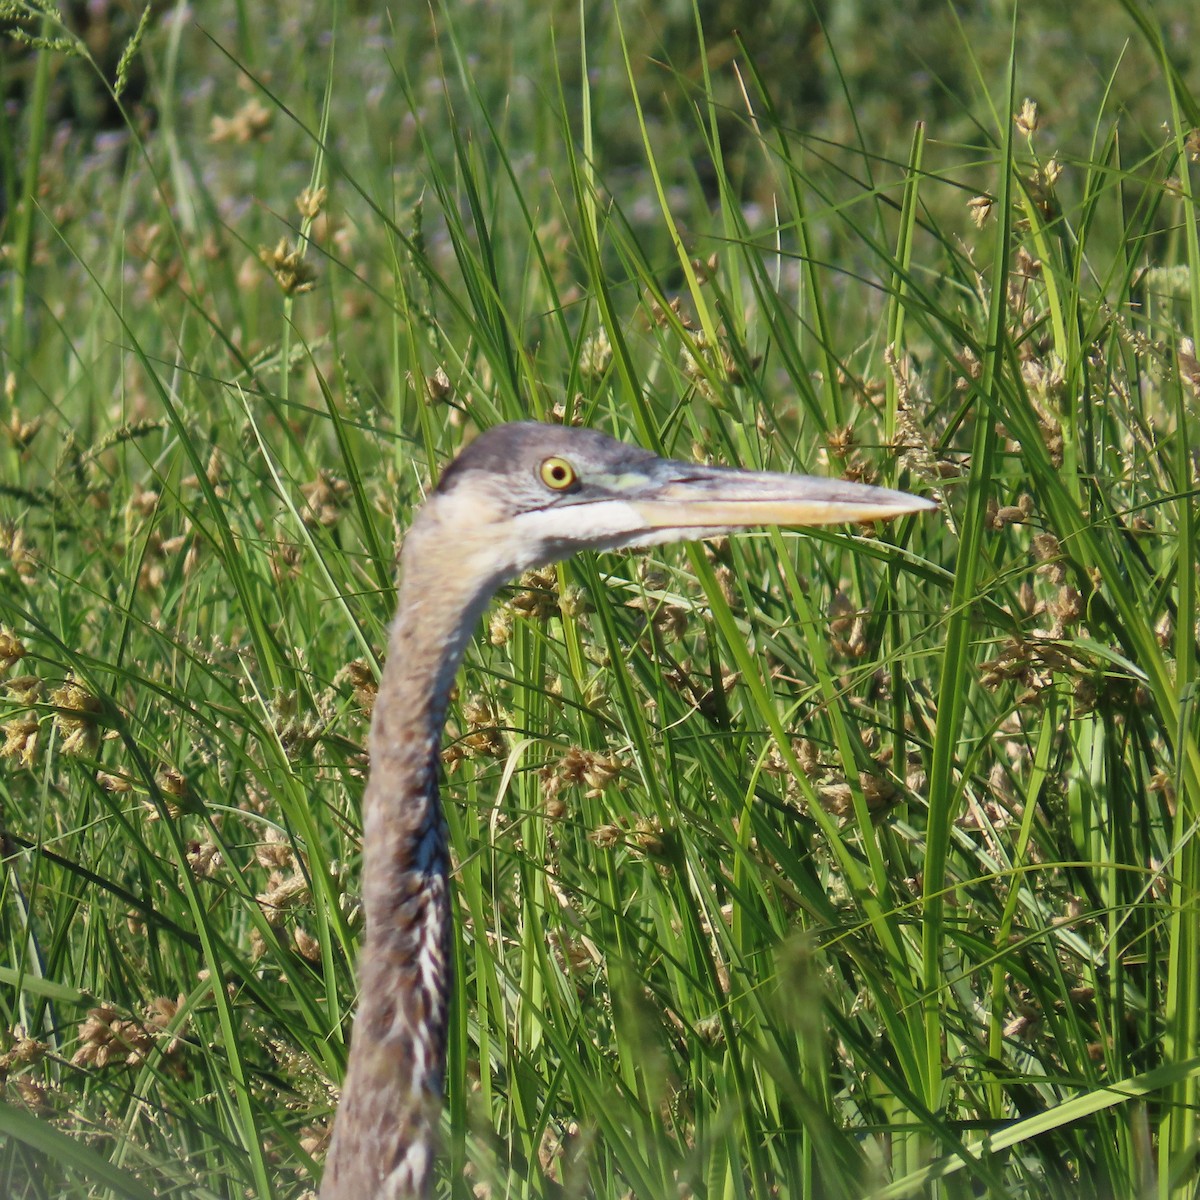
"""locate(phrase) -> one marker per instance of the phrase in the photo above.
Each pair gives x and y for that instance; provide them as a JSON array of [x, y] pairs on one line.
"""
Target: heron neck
[[385, 1135], [404, 837]]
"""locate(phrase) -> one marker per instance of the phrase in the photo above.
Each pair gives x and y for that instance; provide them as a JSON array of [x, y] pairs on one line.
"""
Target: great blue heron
[[521, 495]]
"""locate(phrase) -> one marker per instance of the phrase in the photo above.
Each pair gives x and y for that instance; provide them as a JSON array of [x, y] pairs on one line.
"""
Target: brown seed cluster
[[704, 364], [669, 621], [23, 1053], [299, 721], [595, 356], [1001, 515], [325, 498], [204, 859], [108, 1039], [537, 598], [877, 785], [643, 834], [12, 649], [1027, 118], [363, 681], [537, 595], [588, 769], [311, 201], [568, 412], [847, 627], [21, 736], [287, 885], [292, 271], [20, 433], [980, 208], [16, 554], [482, 736], [76, 718], [1031, 664], [838, 798], [251, 123]]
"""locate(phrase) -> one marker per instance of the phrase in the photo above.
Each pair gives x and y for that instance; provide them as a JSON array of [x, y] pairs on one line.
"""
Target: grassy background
[[855, 864]]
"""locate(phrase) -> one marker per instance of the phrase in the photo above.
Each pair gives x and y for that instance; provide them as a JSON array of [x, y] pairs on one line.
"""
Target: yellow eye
[[558, 474]]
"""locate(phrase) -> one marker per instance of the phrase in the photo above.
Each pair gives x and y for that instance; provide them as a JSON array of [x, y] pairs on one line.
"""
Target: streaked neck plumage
[[385, 1135]]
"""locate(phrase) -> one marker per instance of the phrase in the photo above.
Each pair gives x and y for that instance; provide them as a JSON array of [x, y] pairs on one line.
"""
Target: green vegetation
[[862, 863]]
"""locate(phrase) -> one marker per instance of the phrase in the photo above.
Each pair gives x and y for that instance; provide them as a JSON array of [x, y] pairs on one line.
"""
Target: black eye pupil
[[559, 473]]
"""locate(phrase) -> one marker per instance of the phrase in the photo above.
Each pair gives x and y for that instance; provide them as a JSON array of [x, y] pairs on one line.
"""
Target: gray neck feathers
[[385, 1136]]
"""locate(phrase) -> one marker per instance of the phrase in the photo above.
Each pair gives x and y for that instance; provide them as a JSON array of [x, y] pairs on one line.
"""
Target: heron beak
[[685, 496]]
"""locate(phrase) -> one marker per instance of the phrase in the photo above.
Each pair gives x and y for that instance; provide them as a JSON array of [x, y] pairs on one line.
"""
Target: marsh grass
[[854, 864]]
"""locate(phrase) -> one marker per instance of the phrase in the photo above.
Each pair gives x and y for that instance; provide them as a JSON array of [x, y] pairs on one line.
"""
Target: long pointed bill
[[685, 496]]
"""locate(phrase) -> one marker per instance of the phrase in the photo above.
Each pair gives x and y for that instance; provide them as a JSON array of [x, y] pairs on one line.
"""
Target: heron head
[[527, 494]]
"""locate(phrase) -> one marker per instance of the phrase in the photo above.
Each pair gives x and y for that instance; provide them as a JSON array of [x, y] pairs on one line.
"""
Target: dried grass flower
[[76, 719]]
